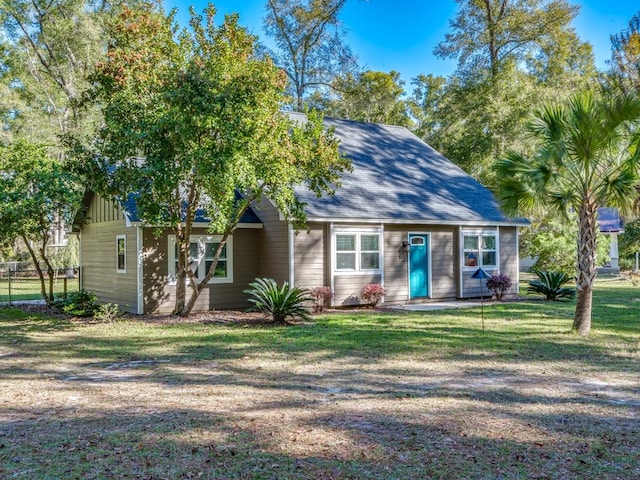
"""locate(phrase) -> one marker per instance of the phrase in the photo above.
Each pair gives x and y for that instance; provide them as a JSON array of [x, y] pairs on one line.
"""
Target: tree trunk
[[34, 257], [181, 276], [586, 268]]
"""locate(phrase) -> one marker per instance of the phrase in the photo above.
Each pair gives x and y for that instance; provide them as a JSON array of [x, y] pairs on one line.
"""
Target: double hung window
[[480, 249], [357, 251], [202, 250]]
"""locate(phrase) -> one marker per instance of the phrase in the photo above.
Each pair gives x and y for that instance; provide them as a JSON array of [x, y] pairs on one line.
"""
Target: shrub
[[499, 284], [322, 296], [107, 312], [550, 284], [372, 293], [279, 302], [82, 303]]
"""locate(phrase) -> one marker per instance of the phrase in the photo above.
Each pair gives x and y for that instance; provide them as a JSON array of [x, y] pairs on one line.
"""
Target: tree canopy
[[373, 97], [310, 46], [192, 119], [489, 34], [35, 193], [587, 156]]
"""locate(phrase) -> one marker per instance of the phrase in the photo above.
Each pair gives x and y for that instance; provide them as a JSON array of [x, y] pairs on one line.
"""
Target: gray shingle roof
[[399, 178], [130, 206]]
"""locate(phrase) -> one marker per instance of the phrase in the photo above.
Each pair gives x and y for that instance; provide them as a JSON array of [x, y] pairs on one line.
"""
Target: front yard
[[359, 395]]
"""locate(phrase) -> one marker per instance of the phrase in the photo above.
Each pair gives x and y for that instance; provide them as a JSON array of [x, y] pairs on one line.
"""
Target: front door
[[418, 266]]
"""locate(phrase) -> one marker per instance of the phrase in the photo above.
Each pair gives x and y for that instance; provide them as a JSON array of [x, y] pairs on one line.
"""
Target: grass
[[355, 395], [29, 288]]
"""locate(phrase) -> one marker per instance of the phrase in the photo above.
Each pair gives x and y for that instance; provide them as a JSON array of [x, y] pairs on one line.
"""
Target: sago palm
[[586, 156]]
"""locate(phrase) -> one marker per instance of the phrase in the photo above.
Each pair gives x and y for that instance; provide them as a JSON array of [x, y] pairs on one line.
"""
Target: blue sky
[[401, 34]]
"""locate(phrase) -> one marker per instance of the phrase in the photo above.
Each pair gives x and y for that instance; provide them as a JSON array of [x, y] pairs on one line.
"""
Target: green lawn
[[29, 288], [357, 395]]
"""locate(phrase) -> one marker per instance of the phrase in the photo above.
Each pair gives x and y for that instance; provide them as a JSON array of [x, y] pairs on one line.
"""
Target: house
[[405, 217], [611, 224]]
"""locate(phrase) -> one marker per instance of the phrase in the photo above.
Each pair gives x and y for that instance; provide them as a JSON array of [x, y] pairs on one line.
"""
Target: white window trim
[[124, 239], [201, 240], [357, 231], [480, 233]]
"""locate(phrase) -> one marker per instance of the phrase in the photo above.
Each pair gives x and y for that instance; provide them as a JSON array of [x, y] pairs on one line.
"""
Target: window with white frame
[[357, 251], [121, 254], [202, 250], [480, 249]]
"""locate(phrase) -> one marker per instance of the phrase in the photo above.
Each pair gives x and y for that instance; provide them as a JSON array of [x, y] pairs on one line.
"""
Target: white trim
[[291, 236], [124, 239], [498, 259], [358, 231], [465, 271], [451, 223], [80, 261], [332, 248], [480, 232], [202, 240], [517, 261], [381, 248], [139, 271], [429, 269]]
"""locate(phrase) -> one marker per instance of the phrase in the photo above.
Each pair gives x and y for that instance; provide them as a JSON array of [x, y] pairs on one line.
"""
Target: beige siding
[[159, 295], [273, 241], [509, 255], [444, 263], [443, 247], [98, 270], [347, 288], [396, 265], [310, 256]]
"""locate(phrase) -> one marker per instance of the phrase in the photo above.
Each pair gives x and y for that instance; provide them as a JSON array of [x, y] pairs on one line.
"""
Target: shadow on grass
[[187, 443]]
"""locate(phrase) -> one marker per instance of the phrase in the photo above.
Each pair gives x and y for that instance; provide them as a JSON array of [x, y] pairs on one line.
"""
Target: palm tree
[[587, 155]]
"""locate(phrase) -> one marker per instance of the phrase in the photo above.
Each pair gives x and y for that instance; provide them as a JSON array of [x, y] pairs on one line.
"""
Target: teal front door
[[418, 266]]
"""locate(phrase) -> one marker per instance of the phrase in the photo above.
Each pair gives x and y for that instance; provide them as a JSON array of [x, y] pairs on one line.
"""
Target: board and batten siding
[[103, 210], [159, 294], [273, 243], [443, 245], [98, 270]]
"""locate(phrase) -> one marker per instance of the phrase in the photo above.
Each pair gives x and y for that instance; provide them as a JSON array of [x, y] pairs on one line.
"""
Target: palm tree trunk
[[586, 271]]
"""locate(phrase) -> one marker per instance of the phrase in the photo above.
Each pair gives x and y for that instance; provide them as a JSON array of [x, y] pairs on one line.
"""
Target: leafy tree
[[489, 34], [35, 192], [50, 50], [425, 104], [373, 97], [309, 39], [512, 54], [587, 156], [552, 242], [625, 55], [629, 241], [191, 119]]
